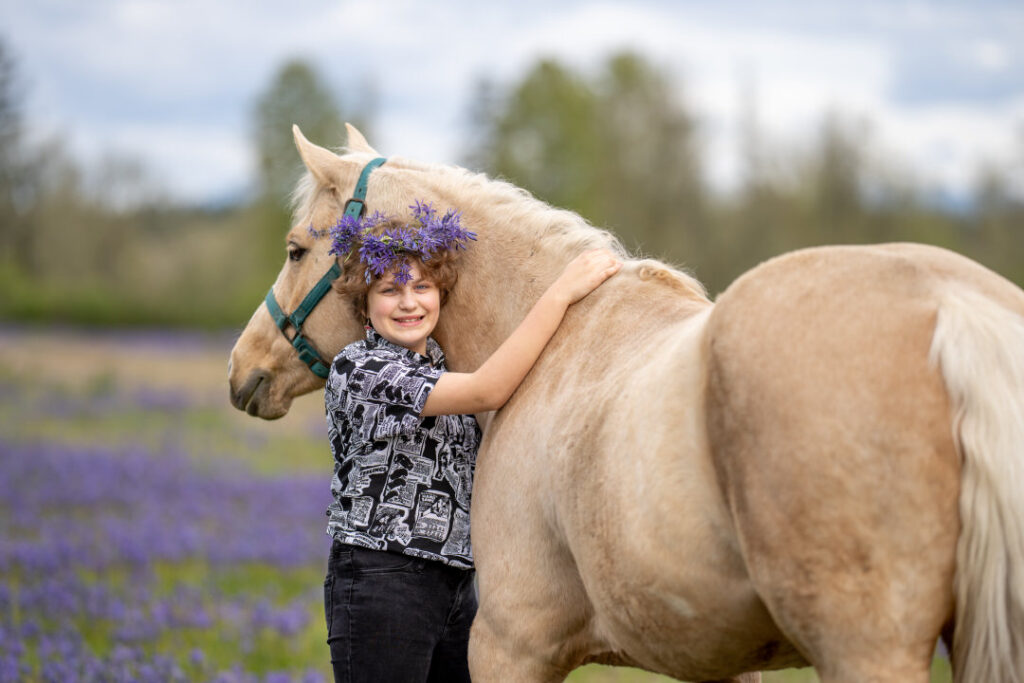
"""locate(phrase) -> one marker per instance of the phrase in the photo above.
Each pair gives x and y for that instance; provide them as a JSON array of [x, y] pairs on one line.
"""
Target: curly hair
[[439, 269]]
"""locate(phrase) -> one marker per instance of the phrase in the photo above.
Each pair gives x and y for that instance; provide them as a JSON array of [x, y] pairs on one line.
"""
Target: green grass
[[594, 673]]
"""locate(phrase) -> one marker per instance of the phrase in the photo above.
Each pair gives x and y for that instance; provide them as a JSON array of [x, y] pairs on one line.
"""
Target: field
[[150, 532]]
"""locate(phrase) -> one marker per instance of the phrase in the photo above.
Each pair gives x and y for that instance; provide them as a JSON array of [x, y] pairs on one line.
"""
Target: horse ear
[[323, 164], [356, 141]]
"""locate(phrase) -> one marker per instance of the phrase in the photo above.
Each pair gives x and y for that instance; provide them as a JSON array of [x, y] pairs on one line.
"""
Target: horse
[[824, 466]]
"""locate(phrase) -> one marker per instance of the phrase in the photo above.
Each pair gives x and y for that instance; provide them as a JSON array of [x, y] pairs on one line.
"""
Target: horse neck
[[522, 246], [500, 278]]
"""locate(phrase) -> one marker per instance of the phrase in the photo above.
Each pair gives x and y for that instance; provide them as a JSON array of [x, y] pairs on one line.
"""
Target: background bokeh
[[148, 530]]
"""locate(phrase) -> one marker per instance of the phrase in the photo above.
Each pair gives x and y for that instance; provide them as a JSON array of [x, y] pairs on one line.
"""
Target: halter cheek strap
[[308, 353]]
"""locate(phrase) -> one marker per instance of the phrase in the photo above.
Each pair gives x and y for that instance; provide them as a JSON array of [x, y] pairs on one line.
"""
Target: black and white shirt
[[402, 482]]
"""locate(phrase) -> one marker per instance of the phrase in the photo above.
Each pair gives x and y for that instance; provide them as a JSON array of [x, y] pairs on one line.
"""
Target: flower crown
[[426, 235]]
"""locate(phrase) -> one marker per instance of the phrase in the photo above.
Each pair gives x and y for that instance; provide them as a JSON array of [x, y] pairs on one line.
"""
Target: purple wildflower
[[425, 235], [343, 234], [422, 211], [403, 272], [91, 509], [377, 255]]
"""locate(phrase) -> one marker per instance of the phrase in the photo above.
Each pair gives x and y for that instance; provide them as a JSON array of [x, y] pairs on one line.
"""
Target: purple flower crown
[[425, 235]]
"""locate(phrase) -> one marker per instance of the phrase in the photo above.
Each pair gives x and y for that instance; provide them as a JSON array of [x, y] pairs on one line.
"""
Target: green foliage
[[104, 248], [620, 148], [296, 95], [618, 145], [17, 174], [147, 267]]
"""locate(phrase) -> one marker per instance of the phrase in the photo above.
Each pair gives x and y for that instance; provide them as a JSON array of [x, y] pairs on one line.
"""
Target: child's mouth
[[408, 322]]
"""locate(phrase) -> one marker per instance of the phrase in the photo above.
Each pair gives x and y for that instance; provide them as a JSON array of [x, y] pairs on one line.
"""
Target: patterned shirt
[[402, 482]]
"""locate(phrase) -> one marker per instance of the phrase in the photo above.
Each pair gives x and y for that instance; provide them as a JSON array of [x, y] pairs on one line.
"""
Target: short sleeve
[[383, 396]]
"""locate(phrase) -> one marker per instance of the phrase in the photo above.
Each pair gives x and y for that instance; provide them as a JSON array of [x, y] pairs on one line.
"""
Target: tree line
[[618, 145]]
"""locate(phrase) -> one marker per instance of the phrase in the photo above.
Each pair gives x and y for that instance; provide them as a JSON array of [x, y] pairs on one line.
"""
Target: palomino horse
[[825, 466]]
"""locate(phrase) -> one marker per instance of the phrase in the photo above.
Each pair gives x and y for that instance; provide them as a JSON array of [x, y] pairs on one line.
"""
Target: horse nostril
[[246, 397]]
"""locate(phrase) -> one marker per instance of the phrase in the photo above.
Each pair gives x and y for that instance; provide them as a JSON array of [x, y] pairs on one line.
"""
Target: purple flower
[[403, 273], [377, 255], [425, 235], [343, 234]]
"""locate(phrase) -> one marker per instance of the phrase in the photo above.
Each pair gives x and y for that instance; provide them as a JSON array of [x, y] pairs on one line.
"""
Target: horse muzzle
[[254, 398]]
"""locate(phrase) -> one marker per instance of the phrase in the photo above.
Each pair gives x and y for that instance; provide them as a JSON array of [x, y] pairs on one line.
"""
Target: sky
[[172, 83]]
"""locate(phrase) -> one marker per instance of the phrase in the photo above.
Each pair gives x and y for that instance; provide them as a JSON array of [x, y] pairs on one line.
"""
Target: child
[[399, 593]]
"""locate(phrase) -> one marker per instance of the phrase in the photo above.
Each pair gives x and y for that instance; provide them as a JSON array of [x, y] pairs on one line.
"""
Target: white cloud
[[948, 145]]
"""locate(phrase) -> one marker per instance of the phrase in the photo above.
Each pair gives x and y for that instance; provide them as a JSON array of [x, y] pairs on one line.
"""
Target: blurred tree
[[296, 94], [997, 223], [10, 121], [835, 178], [101, 245], [760, 219], [619, 149], [543, 136], [654, 179], [17, 176]]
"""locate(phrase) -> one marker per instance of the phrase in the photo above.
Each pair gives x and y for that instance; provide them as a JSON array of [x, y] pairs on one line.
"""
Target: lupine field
[[149, 532]]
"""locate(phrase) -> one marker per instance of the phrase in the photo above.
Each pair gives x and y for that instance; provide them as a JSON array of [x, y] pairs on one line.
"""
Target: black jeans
[[395, 619]]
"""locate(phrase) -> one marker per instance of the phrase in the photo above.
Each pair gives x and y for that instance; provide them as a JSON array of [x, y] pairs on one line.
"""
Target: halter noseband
[[308, 354]]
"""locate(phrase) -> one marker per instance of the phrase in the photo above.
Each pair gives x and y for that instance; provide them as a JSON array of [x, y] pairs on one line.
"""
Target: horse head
[[265, 371]]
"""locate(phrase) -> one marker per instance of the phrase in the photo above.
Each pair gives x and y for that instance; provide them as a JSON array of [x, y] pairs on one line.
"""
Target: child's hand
[[585, 273]]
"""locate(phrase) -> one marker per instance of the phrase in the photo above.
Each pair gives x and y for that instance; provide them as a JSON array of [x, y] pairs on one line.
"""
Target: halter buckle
[[362, 208]]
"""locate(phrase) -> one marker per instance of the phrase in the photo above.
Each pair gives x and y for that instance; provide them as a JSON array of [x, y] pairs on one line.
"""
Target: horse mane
[[517, 209], [559, 228], [301, 199]]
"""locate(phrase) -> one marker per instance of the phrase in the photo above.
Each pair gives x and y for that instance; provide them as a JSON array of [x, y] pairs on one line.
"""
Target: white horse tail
[[979, 346]]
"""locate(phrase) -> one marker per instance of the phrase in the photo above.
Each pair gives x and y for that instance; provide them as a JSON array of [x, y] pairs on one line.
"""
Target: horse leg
[[852, 549], [837, 460], [534, 620], [494, 658], [751, 677], [863, 589], [864, 601]]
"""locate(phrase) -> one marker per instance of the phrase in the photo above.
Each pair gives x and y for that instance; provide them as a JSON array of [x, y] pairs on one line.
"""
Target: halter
[[308, 354]]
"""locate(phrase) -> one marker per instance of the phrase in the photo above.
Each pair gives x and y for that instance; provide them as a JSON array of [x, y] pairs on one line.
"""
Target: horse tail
[[979, 346]]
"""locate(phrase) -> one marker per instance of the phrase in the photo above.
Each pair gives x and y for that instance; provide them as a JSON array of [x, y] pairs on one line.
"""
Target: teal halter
[[308, 354]]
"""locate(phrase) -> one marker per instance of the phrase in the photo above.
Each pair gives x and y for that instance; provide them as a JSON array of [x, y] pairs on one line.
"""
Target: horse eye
[[296, 254]]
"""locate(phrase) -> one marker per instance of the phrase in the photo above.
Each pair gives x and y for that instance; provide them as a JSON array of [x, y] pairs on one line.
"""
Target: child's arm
[[460, 393]]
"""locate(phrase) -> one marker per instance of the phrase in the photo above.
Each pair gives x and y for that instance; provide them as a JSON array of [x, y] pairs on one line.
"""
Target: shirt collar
[[435, 356]]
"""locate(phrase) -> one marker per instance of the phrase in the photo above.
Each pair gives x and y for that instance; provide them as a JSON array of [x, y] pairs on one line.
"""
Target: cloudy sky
[[172, 82]]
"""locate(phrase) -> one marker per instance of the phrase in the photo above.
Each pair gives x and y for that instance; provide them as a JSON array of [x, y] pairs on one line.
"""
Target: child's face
[[404, 314]]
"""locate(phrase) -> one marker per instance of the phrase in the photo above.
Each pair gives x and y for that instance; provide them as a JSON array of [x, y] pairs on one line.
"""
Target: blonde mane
[[516, 209]]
